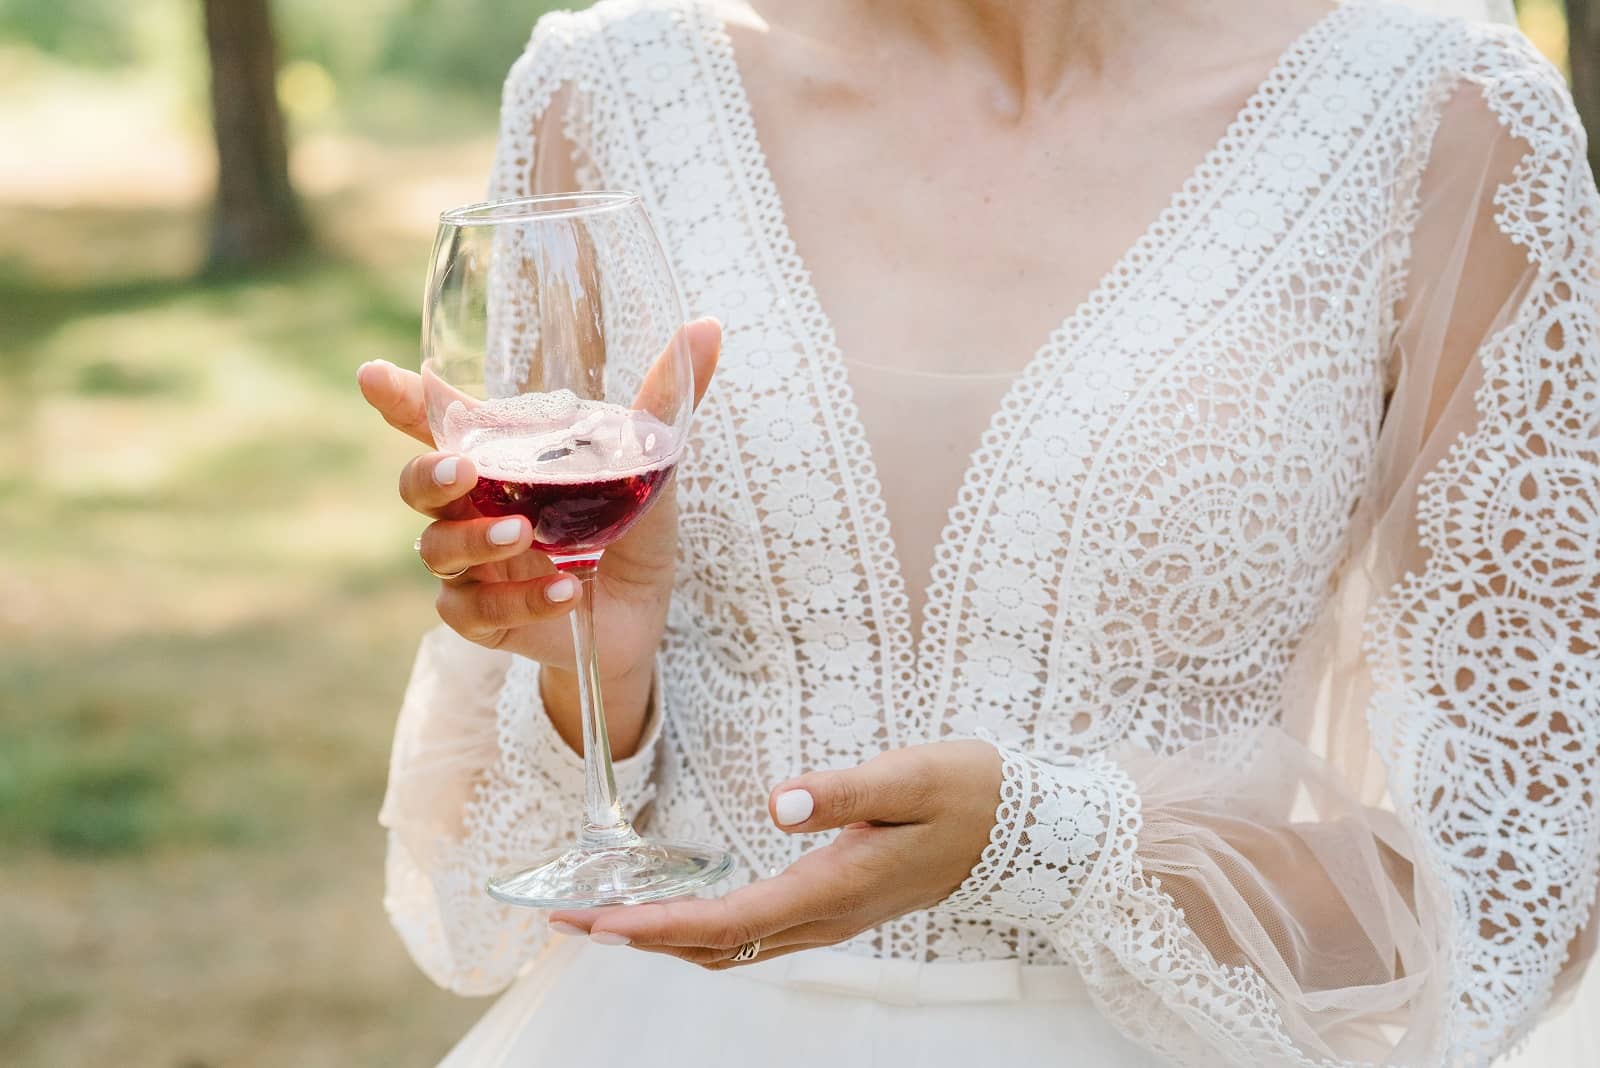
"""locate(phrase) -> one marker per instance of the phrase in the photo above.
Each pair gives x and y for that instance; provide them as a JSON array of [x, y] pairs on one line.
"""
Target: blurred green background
[[208, 599]]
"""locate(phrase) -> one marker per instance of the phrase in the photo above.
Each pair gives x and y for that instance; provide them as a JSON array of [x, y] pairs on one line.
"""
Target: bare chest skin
[[951, 219]]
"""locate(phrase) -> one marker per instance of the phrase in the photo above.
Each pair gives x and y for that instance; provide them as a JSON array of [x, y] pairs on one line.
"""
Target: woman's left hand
[[914, 822]]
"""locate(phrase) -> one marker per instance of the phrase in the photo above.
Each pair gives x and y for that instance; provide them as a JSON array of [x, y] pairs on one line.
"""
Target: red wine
[[583, 472], [573, 518]]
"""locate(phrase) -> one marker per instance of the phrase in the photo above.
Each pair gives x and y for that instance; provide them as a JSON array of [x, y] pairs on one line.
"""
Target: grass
[[208, 604]]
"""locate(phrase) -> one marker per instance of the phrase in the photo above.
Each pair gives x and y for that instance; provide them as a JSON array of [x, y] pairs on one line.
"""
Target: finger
[[397, 395], [484, 612], [893, 787], [824, 932], [766, 954], [719, 959], [762, 908], [703, 338], [449, 546], [811, 935], [437, 483]]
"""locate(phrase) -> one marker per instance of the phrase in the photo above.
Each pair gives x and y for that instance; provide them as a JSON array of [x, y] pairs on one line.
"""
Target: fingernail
[[363, 367], [444, 472], [608, 938], [794, 806], [506, 531], [562, 589], [561, 927]]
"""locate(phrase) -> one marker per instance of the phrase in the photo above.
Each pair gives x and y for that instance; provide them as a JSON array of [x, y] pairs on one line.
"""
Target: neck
[[1032, 46]]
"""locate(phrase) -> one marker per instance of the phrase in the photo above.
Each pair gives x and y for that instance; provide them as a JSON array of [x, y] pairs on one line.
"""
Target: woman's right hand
[[510, 597]]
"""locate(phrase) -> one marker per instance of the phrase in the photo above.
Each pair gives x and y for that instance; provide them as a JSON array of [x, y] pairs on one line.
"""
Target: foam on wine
[[556, 437], [583, 472]]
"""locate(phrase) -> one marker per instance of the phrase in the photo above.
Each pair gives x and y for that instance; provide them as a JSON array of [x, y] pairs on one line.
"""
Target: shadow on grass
[[227, 739], [320, 289]]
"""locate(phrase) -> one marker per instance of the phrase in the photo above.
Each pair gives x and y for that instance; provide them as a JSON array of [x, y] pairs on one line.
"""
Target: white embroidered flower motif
[[1333, 104], [1053, 453], [716, 238], [804, 507], [838, 647], [671, 143], [699, 182], [820, 576], [999, 671], [1155, 321], [839, 707], [1385, 48], [757, 347], [781, 438], [1009, 595], [1034, 524], [656, 82], [971, 713], [1249, 220], [1068, 833], [1097, 379], [963, 939], [1292, 162], [1198, 274], [1030, 893]]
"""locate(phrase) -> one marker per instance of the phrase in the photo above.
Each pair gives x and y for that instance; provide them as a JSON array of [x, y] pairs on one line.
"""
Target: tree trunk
[[257, 218], [1583, 52]]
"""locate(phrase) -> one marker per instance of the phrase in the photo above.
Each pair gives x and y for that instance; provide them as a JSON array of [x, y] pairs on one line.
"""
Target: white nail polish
[[506, 531], [562, 590], [444, 472], [609, 938], [794, 806], [570, 929]]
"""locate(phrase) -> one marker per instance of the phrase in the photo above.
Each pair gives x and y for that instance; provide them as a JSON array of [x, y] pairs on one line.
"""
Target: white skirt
[[589, 1004]]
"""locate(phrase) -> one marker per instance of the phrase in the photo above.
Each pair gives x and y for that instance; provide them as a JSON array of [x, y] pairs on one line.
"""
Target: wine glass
[[554, 358]]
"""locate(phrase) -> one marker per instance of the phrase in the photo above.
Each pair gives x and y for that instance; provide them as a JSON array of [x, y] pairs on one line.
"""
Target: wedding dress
[[1275, 577]]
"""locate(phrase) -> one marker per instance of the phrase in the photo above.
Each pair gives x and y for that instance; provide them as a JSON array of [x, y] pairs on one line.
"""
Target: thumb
[[891, 788], [702, 339], [397, 395]]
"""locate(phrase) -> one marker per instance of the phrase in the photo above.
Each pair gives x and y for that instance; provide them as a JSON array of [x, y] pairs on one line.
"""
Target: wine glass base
[[615, 875]]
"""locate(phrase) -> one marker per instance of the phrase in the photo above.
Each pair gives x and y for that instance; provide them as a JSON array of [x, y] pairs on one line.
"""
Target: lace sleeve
[[479, 779], [1401, 871]]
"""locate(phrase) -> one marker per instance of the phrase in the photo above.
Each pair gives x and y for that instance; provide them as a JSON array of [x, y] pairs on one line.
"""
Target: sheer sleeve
[[479, 779], [1401, 869]]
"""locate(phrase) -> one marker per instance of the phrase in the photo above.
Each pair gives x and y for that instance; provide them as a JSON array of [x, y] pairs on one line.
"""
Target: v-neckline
[[906, 649]]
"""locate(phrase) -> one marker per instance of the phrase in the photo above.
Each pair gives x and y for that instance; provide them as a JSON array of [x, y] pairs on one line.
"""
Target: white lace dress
[[1276, 577]]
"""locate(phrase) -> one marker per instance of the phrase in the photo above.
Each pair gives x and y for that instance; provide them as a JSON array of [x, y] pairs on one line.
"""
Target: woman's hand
[[914, 823], [510, 597]]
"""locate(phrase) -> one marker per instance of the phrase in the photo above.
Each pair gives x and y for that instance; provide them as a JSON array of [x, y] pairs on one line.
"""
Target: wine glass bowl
[[555, 359]]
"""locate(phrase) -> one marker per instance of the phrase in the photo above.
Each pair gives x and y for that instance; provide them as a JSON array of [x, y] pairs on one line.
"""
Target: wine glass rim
[[539, 207]]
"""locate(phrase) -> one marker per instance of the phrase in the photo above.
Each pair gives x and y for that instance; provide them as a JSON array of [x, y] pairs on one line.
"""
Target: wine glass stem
[[604, 824]]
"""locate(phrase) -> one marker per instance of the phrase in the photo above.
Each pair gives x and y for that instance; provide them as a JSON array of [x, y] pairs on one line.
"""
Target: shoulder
[[1482, 83], [579, 33], [1504, 106], [1523, 89], [1517, 86]]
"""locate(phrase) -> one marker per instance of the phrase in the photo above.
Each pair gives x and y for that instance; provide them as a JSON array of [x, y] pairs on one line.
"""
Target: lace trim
[[1505, 723], [975, 499], [885, 581], [1064, 840]]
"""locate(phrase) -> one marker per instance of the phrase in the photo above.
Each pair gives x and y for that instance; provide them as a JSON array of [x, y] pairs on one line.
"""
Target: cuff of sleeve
[[1064, 838], [635, 774]]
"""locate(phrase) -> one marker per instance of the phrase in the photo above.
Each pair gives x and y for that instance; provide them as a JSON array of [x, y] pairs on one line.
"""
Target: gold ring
[[440, 575], [746, 952]]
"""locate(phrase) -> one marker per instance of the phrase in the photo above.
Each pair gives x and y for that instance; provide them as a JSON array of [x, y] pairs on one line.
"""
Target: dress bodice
[[1272, 573], [1158, 499]]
